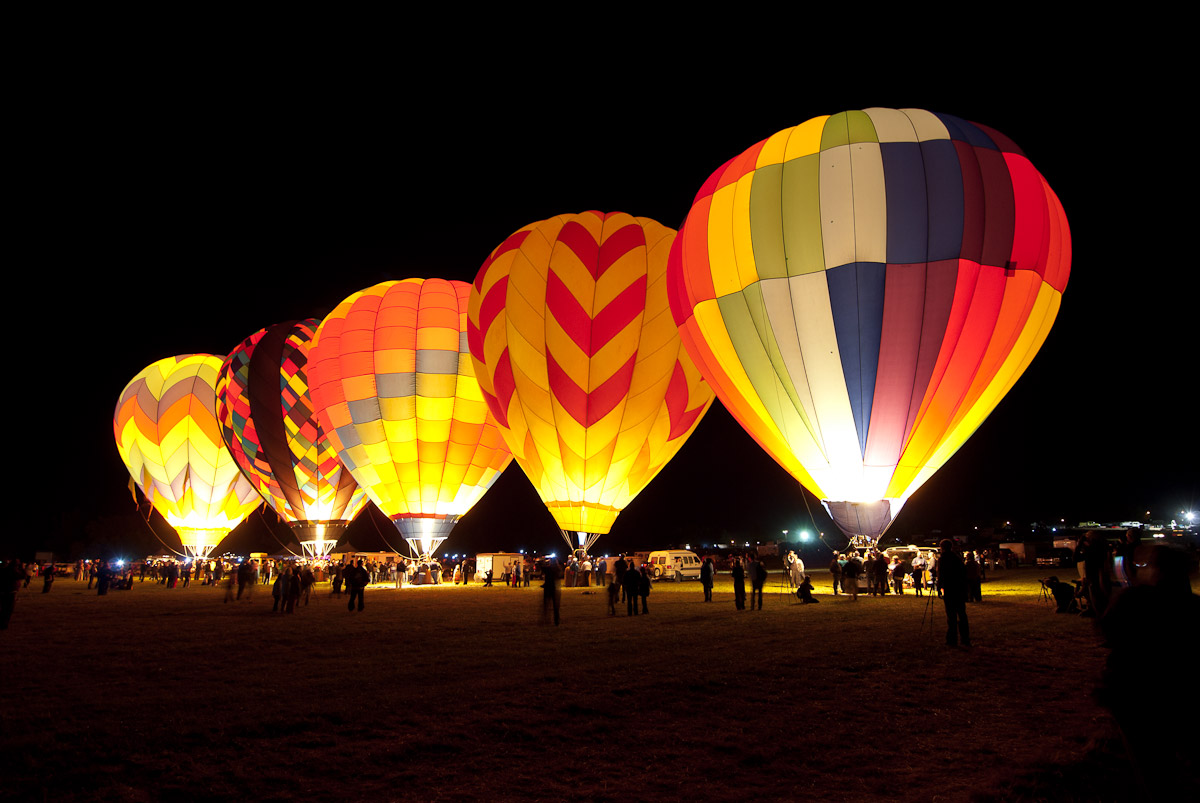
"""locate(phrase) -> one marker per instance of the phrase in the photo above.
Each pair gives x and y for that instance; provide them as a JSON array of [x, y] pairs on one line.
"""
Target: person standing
[[614, 594], [974, 578], [630, 584], [952, 588], [918, 573], [835, 572], [706, 578], [620, 570], [551, 594], [644, 588], [47, 577], [850, 571], [758, 579], [357, 580], [739, 584]]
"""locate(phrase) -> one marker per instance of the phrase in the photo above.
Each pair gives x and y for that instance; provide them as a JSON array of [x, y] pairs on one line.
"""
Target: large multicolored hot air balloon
[[581, 364], [393, 387], [862, 289], [166, 430], [266, 415]]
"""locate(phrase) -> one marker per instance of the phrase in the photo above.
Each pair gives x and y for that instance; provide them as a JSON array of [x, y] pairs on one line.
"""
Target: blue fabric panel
[[966, 132], [944, 196], [856, 298], [907, 208]]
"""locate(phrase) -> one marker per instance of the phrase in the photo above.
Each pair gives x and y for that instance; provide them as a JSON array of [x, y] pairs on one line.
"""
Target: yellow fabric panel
[[739, 230], [804, 139], [720, 241], [435, 392], [399, 410], [774, 149]]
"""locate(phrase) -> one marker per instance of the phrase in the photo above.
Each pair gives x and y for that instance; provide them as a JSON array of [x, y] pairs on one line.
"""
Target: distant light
[[120, 563], [1190, 515], [804, 535]]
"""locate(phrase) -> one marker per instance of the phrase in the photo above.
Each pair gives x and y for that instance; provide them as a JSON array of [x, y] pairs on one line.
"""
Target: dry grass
[[446, 692]]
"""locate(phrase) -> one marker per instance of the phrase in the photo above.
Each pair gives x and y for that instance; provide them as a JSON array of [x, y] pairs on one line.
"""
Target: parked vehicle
[[676, 564]]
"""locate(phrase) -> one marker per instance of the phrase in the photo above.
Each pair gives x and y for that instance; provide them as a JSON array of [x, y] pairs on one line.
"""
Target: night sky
[[179, 206]]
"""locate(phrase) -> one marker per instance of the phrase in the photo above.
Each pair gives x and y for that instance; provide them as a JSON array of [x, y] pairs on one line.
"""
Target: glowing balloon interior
[[861, 290], [266, 415], [393, 387], [166, 431], [581, 363]]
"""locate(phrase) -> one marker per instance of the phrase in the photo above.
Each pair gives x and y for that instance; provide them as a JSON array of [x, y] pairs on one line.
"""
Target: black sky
[[176, 204]]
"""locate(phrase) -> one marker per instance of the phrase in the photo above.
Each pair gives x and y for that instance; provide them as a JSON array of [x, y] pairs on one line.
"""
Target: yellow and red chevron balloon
[[166, 430], [266, 415], [393, 387], [581, 363]]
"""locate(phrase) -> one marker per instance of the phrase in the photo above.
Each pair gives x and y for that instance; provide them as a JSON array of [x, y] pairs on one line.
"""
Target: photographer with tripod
[[1063, 593]]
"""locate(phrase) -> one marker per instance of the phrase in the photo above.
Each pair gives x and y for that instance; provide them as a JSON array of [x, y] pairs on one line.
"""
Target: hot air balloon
[[861, 290], [166, 430], [393, 387], [266, 416], [581, 363]]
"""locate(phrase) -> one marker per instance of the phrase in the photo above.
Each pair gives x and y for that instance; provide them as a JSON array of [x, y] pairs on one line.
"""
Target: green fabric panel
[[766, 222], [762, 322], [860, 128], [800, 210], [752, 354], [835, 132]]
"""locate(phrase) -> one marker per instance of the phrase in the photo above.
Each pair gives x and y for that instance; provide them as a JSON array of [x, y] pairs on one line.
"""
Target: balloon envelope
[[265, 411], [581, 363], [393, 386], [166, 430], [862, 289]]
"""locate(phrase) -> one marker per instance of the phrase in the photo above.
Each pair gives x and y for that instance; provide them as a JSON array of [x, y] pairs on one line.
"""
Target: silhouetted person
[[551, 594], [1097, 577], [644, 587], [1063, 593], [850, 571], [835, 574], [707, 572], [804, 591], [630, 584], [619, 573], [739, 584], [47, 578], [103, 579], [356, 583], [1153, 629], [758, 579], [952, 588]]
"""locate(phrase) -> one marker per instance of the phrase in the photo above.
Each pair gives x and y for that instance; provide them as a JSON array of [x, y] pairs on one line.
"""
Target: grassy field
[[449, 692]]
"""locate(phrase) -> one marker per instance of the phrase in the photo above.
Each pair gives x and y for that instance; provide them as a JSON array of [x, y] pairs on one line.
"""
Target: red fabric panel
[[899, 346]]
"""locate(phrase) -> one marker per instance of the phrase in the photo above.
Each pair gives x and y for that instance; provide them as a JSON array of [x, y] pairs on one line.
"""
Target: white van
[[674, 563]]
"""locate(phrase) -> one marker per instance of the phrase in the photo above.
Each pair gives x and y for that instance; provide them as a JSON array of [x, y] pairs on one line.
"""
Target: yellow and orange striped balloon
[[581, 363], [166, 430], [393, 387]]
